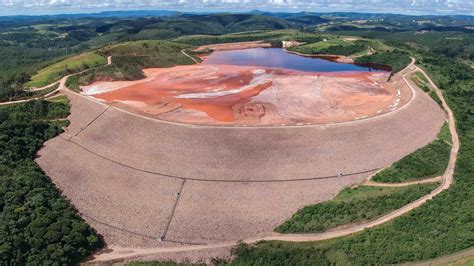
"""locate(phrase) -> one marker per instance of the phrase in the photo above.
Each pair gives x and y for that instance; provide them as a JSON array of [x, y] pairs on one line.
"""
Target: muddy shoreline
[[208, 49]]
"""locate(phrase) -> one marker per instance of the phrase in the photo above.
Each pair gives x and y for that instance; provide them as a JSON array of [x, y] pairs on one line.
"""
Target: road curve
[[62, 85], [192, 58], [446, 181], [370, 182], [62, 81]]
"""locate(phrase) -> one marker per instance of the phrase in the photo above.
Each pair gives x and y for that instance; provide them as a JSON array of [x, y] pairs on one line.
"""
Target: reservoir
[[279, 58]]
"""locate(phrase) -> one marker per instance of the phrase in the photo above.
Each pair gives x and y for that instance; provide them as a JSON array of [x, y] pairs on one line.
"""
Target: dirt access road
[[447, 180], [62, 86]]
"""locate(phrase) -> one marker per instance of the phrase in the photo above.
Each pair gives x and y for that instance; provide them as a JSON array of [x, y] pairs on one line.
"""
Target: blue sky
[[13, 7]]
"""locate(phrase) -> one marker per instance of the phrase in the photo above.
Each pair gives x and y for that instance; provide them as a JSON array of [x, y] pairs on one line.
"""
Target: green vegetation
[[110, 73], [420, 80], [43, 92], [269, 36], [59, 99], [147, 54], [27, 94], [128, 60], [445, 135], [435, 97], [352, 205], [334, 46], [396, 59], [428, 161], [71, 65], [452, 43], [36, 224]]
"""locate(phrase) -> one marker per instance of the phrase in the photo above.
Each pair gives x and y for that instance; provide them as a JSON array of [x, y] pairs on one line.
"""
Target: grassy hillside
[[428, 161], [128, 60], [282, 35], [420, 80], [148, 53], [352, 205], [73, 64], [396, 59], [332, 46]]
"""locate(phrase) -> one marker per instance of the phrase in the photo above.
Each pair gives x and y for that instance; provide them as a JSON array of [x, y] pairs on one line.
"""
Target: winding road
[[62, 86], [118, 253], [446, 180]]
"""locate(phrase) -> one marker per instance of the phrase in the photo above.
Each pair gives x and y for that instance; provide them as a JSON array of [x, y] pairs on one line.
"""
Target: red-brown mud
[[254, 96]]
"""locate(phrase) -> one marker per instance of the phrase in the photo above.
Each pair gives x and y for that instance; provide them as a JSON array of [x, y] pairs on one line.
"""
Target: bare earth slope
[[137, 180]]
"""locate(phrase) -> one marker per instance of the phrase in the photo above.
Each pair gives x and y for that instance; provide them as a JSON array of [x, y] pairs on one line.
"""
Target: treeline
[[353, 48], [345, 49], [37, 225], [11, 87], [326, 215], [453, 44], [396, 59]]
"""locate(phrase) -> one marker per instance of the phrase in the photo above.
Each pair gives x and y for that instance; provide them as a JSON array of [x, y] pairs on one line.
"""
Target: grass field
[[352, 205], [70, 65], [148, 54], [59, 99], [44, 91], [428, 161], [352, 47], [321, 46]]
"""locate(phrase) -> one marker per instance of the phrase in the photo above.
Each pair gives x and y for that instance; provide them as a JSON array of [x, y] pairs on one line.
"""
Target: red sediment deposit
[[249, 95]]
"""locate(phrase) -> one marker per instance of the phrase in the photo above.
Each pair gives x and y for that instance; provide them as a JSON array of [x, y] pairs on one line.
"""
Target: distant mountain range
[[37, 7]]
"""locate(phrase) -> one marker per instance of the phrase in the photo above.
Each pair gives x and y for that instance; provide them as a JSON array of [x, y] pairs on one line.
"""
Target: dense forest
[[37, 225]]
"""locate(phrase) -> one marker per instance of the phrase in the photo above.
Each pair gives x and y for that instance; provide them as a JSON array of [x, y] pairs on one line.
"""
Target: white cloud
[[463, 6]]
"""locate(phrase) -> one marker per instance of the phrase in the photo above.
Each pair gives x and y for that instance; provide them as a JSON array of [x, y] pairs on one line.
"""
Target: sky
[[40, 7]]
